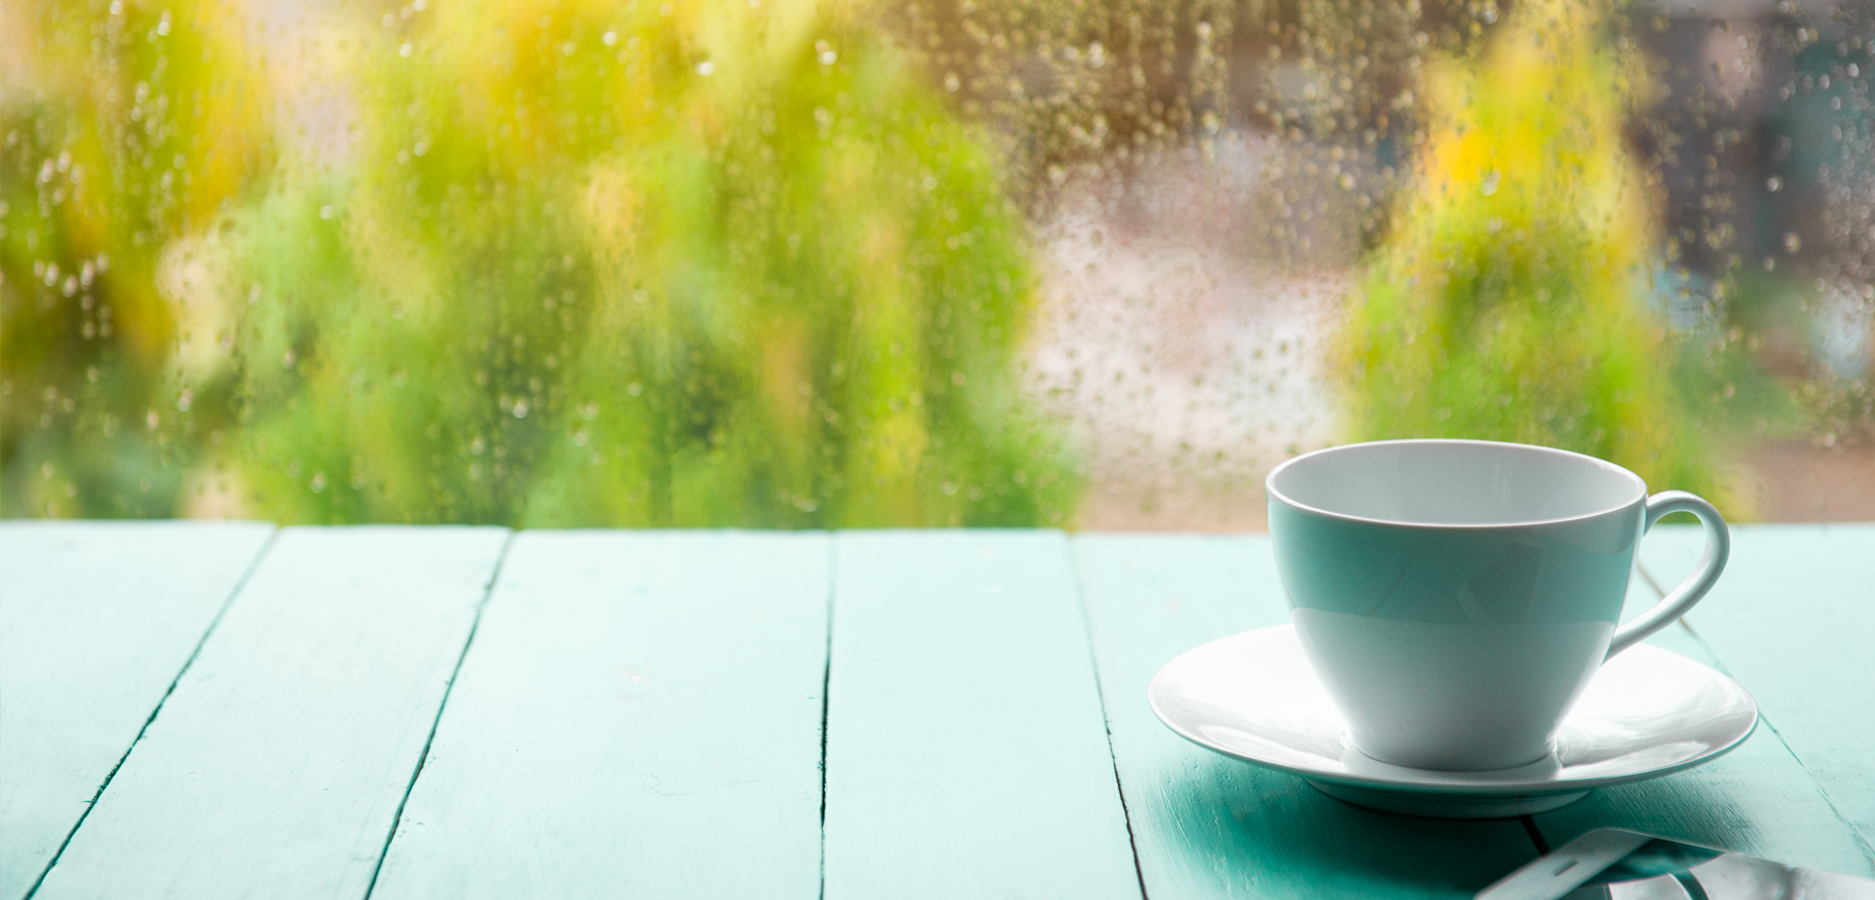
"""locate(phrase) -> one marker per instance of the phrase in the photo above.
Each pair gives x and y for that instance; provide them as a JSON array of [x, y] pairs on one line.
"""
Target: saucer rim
[[1453, 783]]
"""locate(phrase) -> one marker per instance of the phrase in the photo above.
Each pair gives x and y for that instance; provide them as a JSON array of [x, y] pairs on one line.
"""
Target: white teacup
[[1455, 597]]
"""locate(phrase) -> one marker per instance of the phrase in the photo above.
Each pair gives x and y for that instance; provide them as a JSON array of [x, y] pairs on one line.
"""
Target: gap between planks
[[1106, 718], [239, 585], [826, 704], [488, 591]]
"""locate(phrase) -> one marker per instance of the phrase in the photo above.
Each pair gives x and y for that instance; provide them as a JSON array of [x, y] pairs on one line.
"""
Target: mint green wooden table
[[204, 710]]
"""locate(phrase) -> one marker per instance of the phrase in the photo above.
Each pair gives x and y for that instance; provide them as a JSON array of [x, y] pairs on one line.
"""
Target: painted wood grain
[[277, 764], [638, 715], [965, 750], [1758, 799], [96, 621], [1206, 825], [1793, 619]]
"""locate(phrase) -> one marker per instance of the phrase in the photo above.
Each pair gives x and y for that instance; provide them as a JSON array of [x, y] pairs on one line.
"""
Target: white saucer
[[1648, 712]]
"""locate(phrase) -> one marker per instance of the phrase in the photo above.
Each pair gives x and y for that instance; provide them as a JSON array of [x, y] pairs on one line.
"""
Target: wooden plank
[[96, 621], [277, 765], [639, 715], [1205, 825], [965, 752], [1758, 799], [1793, 619]]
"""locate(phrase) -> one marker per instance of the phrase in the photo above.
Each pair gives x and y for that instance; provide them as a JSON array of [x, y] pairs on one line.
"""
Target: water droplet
[[1490, 182], [705, 68], [1774, 184], [1792, 243]]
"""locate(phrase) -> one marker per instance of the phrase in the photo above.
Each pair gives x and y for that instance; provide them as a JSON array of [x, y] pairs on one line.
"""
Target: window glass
[[782, 263]]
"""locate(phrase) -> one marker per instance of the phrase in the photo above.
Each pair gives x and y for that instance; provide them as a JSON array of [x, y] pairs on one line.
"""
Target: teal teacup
[[1455, 597]]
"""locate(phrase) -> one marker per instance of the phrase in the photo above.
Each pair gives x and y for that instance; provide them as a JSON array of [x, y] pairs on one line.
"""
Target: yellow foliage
[[1510, 301]]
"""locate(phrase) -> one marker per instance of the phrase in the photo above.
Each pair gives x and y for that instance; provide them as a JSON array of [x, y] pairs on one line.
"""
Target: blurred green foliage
[[579, 263], [755, 262], [1514, 298], [122, 127]]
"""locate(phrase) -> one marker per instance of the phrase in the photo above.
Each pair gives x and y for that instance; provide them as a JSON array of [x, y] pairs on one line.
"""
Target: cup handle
[[1680, 599]]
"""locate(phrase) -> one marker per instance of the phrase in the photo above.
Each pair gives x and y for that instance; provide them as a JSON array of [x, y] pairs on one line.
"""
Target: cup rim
[[1639, 484]]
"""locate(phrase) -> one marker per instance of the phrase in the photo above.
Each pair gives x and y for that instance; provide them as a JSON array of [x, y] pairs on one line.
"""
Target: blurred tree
[[126, 125], [710, 263], [1511, 298]]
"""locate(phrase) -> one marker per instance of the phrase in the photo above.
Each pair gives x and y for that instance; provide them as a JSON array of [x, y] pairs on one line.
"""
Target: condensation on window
[[780, 263]]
